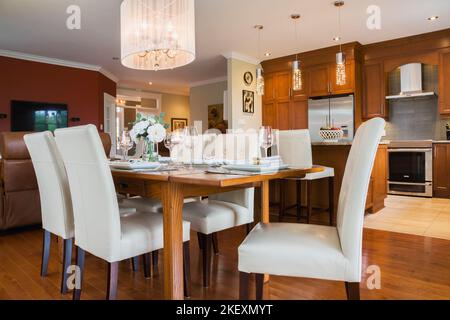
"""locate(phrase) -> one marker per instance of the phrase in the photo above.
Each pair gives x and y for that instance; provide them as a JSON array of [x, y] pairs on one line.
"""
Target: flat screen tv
[[38, 116]]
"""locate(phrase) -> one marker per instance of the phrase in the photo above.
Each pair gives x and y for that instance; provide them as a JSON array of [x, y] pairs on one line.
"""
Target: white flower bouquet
[[151, 130]]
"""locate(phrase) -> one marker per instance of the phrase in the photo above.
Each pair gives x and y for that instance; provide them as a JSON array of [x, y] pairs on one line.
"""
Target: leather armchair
[[19, 194]]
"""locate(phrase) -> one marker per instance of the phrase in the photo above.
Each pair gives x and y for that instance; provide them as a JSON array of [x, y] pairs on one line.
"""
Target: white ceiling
[[222, 26]]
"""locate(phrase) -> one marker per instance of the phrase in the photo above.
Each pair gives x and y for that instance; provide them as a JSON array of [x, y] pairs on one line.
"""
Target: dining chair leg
[[331, 198], [299, 200], [135, 264], [80, 254], [244, 285], [155, 255], [67, 261], [215, 243], [46, 241], [352, 289], [146, 265], [259, 285], [113, 277], [282, 201], [309, 200], [187, 269], [200, 240], [207, 239], [248, 228]]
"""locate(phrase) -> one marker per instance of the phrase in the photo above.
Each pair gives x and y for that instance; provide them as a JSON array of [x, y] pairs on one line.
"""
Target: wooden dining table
[[173, 187]]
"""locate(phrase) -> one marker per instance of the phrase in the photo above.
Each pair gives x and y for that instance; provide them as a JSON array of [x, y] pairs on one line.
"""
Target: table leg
[[172, 201], [265, 214]]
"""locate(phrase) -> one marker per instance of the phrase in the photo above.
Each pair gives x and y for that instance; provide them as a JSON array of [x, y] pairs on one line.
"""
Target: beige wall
[[175, 106], [237, 118], [203, 96]]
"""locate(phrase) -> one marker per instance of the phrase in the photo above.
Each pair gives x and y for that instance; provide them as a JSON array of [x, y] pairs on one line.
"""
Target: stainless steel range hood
[[411, 82]]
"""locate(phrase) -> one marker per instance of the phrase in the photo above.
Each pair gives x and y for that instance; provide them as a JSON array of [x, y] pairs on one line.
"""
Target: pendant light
[[157, 34], [296, 70], [341, 77], [259, 70]]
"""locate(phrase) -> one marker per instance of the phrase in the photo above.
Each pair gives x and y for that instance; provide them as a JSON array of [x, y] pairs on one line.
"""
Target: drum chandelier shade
[[157, 34]]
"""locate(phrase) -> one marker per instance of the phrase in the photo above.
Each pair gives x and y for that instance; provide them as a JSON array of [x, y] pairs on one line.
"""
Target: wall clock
[[248, 78]]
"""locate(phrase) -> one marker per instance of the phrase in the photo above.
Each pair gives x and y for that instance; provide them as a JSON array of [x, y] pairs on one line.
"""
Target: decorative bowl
[[331, 135]]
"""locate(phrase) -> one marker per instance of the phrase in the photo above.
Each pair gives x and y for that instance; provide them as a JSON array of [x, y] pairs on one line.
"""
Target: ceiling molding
[[209, 81], [57, 62], [242, 57]]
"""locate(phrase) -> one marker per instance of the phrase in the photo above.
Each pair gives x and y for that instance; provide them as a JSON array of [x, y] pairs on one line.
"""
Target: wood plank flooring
[[412, 267]]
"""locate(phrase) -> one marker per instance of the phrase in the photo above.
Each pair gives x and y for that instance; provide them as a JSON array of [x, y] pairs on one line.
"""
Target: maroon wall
[[81, 90]]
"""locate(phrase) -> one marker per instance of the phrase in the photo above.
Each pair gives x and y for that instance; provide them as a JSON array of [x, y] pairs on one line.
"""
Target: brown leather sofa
[[19, 194]]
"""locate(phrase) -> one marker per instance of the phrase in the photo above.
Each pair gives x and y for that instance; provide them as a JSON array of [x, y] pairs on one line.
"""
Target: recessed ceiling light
[[337, 38], [150, 83], [267, 54], [433, 18]]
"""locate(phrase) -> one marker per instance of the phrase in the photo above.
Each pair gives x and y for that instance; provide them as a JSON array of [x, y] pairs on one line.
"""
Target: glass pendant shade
[[296, 76], [157, 34], [341, 77], [259, 82]]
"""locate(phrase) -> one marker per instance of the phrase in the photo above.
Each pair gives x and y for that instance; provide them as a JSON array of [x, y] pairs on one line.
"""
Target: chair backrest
[[355, 184], [106, 142], [95, 207], [294, 147], [56, 203], [243, 197]]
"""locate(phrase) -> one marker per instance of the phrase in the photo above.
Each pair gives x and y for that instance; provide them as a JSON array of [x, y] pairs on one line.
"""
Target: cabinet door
[[444, 83], [269, 90], [283, 115], [318, 81], [374, 91], [298, 113], [441, 171], [269, 114], [282, 83], [349, 86]]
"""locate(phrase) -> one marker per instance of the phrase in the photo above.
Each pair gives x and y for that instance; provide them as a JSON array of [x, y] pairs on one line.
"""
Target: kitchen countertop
[[441, 141], [341, 143]]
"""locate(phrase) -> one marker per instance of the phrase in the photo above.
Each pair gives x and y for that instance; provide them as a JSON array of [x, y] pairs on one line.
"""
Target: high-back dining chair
[[294, 147], [56, 203], [312, 251], [99, 229]]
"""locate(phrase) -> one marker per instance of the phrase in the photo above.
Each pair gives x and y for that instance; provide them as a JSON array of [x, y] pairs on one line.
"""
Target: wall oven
[[411, 168]]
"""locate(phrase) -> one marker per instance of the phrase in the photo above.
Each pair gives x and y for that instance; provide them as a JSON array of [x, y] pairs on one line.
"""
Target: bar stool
[[294, 147]]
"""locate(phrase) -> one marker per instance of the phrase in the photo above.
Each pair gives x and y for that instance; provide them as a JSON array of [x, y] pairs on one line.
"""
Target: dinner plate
[[133, 165], [255, 167]]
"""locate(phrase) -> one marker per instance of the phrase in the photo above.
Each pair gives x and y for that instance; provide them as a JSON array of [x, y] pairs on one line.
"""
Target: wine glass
[[191, 133], [125, 143], [172, 140], [265, 138]]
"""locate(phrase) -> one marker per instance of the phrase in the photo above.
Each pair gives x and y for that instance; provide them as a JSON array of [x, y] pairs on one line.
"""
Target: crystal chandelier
[[296, 71], [259, 70], [341, 77], [157, 34]]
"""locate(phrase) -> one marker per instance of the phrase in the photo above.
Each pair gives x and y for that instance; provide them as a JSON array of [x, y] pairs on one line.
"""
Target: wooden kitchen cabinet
[[374, 91], [322, 80], [441, 170], [283, 108], [378, 181], [444, 83]]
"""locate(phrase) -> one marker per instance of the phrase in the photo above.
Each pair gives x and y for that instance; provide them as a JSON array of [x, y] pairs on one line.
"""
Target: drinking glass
[[191, 133], [172, 140], [125, 143], [265, 138]]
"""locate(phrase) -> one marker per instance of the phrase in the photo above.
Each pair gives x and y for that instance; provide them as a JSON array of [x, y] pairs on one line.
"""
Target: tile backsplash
[[415, 119]]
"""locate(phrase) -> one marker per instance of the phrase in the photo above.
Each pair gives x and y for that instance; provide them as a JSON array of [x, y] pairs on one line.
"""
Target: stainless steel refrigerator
[[339, 109]]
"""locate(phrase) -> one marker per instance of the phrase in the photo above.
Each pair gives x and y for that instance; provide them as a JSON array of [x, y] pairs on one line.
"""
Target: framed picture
[[178, 123], [248, 78], [215, 118], [248, 101]]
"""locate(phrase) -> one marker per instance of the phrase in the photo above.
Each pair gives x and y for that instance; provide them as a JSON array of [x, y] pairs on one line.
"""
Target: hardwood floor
[[412, 267]]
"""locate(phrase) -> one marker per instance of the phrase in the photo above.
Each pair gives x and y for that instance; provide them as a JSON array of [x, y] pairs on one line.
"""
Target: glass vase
[[150, 152]]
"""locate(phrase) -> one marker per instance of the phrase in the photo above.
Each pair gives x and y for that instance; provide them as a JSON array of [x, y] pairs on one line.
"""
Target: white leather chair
[[312, 251], [99, 229], [222, 211], [294, 147], [56, 203]]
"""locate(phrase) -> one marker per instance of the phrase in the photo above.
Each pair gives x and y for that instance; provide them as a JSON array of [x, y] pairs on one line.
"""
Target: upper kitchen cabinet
[[322, 80], [444, 82], [374, 91]]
